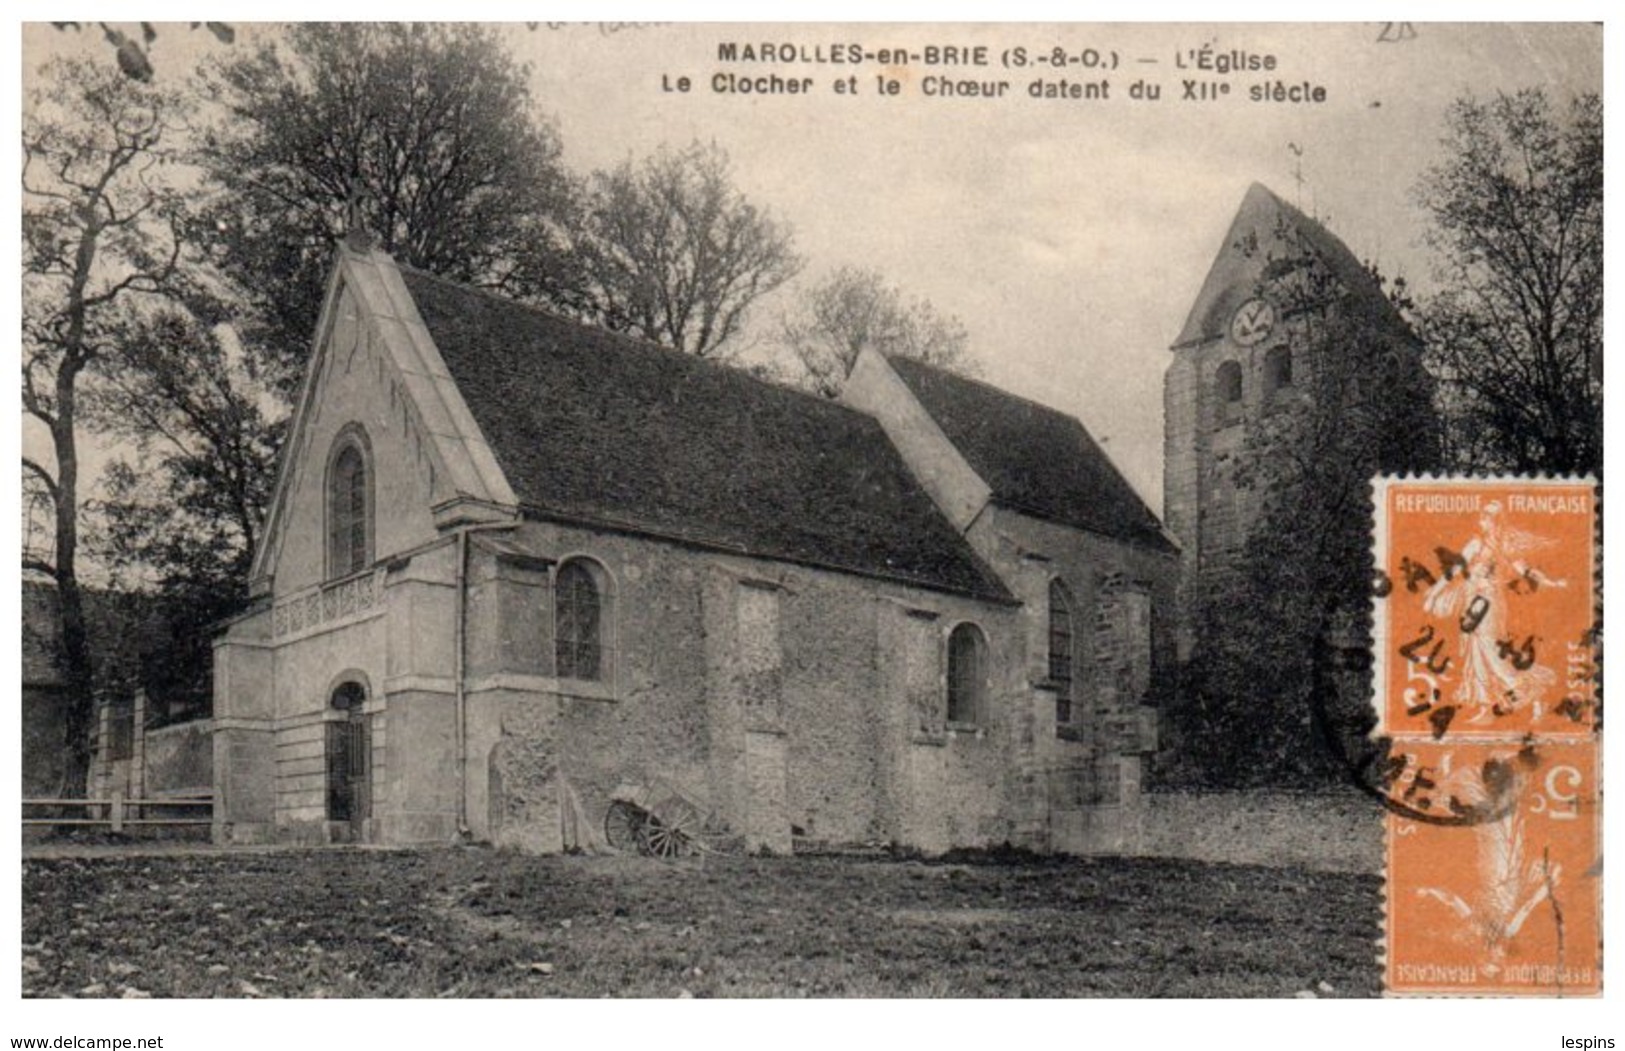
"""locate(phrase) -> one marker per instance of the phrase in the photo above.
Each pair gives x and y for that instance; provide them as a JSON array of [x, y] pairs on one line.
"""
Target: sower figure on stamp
[[1510, 886], [1497, 677]]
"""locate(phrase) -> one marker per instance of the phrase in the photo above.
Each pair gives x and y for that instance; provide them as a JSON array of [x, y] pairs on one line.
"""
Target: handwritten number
[[1522, 657], [1432, 662]]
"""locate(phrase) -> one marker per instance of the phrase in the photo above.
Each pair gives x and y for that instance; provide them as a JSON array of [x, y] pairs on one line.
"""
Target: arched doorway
[[349, 792]]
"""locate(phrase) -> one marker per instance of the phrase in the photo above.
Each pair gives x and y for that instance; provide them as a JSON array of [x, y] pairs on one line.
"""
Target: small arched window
[[349, 506], [1277, 370], [967, 675], [1060, 649], [579, 601]]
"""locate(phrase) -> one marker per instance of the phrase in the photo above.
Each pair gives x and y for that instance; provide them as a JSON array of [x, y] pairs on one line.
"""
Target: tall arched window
[[967, 675], [349, 505], [1060, 649], [578, 620], [1277, 369]]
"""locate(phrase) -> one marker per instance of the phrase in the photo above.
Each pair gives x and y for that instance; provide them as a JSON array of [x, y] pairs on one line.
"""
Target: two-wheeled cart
[[658, 819]]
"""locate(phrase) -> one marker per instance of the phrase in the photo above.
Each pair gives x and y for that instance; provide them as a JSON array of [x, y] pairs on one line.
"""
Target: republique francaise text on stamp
[[1486, 671]]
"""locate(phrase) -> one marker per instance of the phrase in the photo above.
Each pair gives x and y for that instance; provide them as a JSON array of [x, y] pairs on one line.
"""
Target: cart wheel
[[681, 828], [664, 840], [624, 827]]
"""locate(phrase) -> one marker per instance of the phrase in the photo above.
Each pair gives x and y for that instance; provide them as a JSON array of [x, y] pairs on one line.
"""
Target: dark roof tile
[[593, 426], [1035, 459]]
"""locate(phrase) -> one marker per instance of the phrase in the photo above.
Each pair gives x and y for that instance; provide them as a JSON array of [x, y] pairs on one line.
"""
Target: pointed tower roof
[[1264, 227]]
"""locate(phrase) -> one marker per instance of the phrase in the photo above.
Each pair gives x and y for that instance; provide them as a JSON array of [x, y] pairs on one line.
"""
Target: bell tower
[[1245, 356]]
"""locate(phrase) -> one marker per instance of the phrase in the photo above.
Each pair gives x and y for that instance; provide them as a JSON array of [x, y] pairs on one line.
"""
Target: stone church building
[[515, 564]]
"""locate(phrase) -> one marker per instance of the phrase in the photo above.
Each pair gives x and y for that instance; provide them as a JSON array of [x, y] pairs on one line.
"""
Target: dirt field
[[477, 923]]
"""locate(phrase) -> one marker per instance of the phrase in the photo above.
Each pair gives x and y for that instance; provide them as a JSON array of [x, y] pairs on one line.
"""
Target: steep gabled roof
[[366, 296], [1263, 227], [1034, 459], [600, 428]]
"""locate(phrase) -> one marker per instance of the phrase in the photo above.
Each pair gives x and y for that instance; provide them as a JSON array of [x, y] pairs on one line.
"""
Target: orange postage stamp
[[1486, 606], [1485, 648], [1494, 873]]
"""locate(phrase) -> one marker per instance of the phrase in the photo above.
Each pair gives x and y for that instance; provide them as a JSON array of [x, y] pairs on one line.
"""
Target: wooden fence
[[117, 812]]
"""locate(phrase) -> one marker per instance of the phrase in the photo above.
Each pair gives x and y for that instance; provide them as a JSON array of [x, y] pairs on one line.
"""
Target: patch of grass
[[479, 923]]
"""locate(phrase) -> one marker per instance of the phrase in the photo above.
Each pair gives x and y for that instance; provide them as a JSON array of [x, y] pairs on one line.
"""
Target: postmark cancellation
[[1486, 658]]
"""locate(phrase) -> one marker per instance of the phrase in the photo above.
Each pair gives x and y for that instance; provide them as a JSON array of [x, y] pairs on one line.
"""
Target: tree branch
[[44, 476]]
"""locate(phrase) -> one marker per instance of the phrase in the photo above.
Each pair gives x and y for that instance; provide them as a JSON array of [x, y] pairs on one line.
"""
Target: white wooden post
[[116, 810]]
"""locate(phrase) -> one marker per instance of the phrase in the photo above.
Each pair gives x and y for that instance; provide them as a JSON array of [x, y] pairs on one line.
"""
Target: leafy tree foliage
[[854, 308], [131, 54], [102, 239], [1516, 335], [184, 502], [425, 135], [676, 254]]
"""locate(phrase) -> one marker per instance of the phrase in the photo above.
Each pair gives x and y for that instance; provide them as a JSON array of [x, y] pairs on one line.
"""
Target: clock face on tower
[[1252, 322]]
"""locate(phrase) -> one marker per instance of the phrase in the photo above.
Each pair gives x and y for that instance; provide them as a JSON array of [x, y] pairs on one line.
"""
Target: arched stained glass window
[[578, 605], [1060, 649], [349, 506]]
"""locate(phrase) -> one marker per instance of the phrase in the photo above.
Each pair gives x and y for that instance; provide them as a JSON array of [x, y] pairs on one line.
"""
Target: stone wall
[[44, 712], [787, 699], [1079, 783], [1335, 831], [958, 491], [179, 760], [1181, 480]]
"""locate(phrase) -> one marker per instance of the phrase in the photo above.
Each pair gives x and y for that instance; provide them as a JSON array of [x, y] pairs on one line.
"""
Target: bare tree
[[100, 232], [677, 254], [853, 308], [1516, 336]]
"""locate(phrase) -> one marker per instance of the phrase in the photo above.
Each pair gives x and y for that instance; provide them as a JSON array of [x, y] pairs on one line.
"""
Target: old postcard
[[788, 510]]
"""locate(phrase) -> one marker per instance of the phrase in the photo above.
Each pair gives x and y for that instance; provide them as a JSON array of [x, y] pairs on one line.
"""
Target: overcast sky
[[1070, 236]]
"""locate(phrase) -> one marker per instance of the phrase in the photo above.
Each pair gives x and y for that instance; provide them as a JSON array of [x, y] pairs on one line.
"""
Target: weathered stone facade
[[790, 696]]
